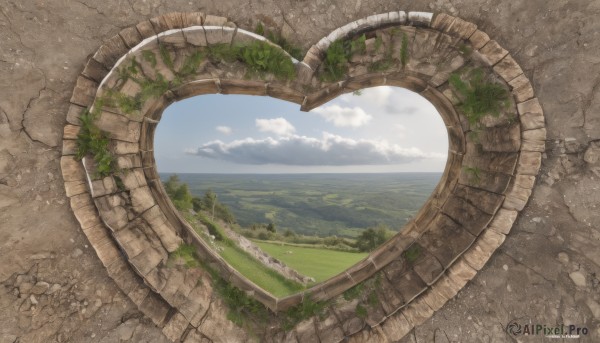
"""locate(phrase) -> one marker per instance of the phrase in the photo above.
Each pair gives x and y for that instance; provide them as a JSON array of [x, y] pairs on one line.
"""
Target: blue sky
[[386, 129]]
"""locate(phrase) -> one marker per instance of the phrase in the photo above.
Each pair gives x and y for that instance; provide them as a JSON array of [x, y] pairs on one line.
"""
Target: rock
[[571, 145], [563, 257], [592, 154], [594, 307], [76, 253], [25, 288], [40, 288], [578, 278], [33, 300]]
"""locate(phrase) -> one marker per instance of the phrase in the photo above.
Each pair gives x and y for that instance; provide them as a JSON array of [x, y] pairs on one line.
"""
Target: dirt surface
[[55, 289]]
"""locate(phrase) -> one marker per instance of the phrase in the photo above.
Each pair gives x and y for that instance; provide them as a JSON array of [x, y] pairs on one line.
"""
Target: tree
[[371, 238], [271, 227], [210, 201]]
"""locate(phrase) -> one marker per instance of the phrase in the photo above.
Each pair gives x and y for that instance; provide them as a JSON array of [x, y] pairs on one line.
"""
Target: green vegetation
[[306, 309], [149, 57], [188, 254], [92, 140], [353, 292], [371, 238], [337, 56], [404, 50], [277, 38], [262, 57], [412, 253], [318, 263], [479, 96], [165, 56]]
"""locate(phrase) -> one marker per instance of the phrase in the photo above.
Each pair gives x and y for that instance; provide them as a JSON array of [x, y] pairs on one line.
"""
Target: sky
[[385, 129]]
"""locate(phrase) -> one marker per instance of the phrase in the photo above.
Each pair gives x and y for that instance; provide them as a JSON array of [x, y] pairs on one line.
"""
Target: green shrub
[[153, 88], [479, 97], [149, 57], [93, 141], [262, 57], [354, 292], [191, 63], [337, 56], [187, 253], [277, 38], [361, 311], [306, 309]]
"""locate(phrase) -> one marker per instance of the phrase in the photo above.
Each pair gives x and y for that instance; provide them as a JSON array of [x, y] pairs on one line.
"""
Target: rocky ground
[[55, 289]]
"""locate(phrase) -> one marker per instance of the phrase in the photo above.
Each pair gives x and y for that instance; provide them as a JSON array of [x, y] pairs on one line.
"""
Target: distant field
[[318, 204], [320, 264]]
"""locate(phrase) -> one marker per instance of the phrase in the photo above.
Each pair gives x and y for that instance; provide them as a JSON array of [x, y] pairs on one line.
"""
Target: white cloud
[[224, 129], [278, 126], [330, 150], [343, 116]]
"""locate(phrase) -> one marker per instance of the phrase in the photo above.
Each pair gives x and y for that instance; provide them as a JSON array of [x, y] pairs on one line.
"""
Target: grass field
[[320, 264], [258, 273]]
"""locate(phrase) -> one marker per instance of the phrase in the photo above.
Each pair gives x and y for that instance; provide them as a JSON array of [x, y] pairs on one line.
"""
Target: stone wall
[[133, 227]]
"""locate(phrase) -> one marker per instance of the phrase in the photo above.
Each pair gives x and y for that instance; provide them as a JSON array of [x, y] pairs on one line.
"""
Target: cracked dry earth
[[54, 289]]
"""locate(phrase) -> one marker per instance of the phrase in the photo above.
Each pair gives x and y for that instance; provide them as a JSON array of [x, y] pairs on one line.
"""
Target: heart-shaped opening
[[290, 198], [495, 142]]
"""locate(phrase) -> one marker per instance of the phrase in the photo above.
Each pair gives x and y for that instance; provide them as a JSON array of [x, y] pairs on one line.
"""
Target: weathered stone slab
[[537, 146], [285, 93], [123, 275], [195, 36], [94, 70], [147, 260], [434, 300], [130, 161], [361, 271], [461, 272], [442, 22], [408, 285], [167, 21], [478, 39], [73, 188], [87, 216], [530, 121], [174, 39], [198, 302], [470, 217], [492, 52], [390, 299], [157, 279], [124, 148], [138, 295], [74, 113], [329, 329], [131, 36], [499, 162], [534, 135], [346, 312], [97, 235], [243, 87], [112, 212], [119, 127], [530, 106], [521, 88], [220, 35], [145, 29], [501, 138], [446, 240], [508, 68], [111, 51], [69, 147], [446, 287], [141, 199], [212, 20], [503, 221], [461, 28], [516, 198], [483, 179], [192, 19], [175, 327], [417, 312], [420, 18], [486, 201], [529, 163], [108, 253], [133, 178], [395, 327], [428, 268], [155, 308], [84, 92]]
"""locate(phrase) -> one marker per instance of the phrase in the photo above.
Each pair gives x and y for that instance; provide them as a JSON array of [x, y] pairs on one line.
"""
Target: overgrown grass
[[306, 309], [320, 264], [404, 50], [478, 96], [277, 38], [262, 57], [474, 174], [337, 56], [188, 254], [92, 140]]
